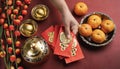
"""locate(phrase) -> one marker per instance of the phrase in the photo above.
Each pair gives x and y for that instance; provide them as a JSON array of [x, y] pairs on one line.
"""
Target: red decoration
[[11, 15]]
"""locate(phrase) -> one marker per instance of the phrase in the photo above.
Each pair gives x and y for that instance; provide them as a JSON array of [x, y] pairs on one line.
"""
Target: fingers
[[67, 30], [74, 27], [70, 24], [75, 30]]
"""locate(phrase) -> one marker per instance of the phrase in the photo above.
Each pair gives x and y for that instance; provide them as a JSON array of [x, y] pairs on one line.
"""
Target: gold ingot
[[40, 12], [35, 50], [45, 10], [28, 28]]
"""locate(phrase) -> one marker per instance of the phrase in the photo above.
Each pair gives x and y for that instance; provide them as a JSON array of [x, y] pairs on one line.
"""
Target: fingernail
[[68, 36]]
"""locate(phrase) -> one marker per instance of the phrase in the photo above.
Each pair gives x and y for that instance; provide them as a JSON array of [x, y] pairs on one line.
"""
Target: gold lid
[[35, 50], [28, 28], [40, 12]]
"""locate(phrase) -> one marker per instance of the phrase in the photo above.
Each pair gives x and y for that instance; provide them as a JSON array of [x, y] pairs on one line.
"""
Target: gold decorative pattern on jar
[[35, 50]]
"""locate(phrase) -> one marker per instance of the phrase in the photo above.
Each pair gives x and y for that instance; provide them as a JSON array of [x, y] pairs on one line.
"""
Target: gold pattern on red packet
[[74, 49], [48, 35], [51, 37], [63, 45], [64, 42], [76, 52], [56, 30]]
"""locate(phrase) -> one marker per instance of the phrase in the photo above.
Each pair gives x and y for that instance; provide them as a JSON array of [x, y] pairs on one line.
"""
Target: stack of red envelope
[[67, 49]]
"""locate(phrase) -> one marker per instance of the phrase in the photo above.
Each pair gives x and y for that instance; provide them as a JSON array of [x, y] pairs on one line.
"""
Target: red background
[[95, 58]]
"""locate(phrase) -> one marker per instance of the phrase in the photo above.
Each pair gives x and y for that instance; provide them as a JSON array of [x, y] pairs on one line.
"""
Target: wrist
[[65, 12]]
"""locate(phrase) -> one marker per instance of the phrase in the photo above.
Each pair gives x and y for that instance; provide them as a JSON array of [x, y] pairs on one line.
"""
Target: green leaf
[[1, 30]]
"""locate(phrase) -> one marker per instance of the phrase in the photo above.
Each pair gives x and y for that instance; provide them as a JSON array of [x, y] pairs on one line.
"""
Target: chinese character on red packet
[[63, 44], [51, 34], [48, 35], [76, 52]]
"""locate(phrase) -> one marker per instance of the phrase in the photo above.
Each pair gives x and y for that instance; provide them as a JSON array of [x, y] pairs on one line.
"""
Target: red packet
[[76, 52], [56, 30], [63, 45], [48, 35]]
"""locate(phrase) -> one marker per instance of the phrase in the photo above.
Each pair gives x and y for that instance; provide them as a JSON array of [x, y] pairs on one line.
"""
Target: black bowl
[[109, 36]]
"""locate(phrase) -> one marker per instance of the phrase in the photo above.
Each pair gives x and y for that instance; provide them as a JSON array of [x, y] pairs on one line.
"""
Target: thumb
[[75, 29]]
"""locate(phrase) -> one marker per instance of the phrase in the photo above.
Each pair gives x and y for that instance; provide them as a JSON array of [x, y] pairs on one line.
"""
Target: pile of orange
[[96, 27]]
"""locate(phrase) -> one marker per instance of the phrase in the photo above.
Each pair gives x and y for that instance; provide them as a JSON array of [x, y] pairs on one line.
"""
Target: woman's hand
[[70, 22]]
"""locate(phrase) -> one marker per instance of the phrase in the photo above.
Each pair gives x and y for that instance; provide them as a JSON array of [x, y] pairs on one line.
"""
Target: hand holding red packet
[[68, 49], [63, 45]]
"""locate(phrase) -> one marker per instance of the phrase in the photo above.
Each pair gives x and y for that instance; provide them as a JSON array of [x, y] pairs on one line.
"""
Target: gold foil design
[[51, 36], [35, 50], [64, 41], [74, 49], [63, 46]]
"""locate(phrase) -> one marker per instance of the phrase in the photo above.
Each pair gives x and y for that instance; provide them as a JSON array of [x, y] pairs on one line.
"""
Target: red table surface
[[101, 58]]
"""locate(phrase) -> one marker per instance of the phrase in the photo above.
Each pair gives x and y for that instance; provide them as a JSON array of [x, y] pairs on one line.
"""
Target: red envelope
[[56, 30], [62, 47], [51, 34], [48, 35], [76, 52]]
